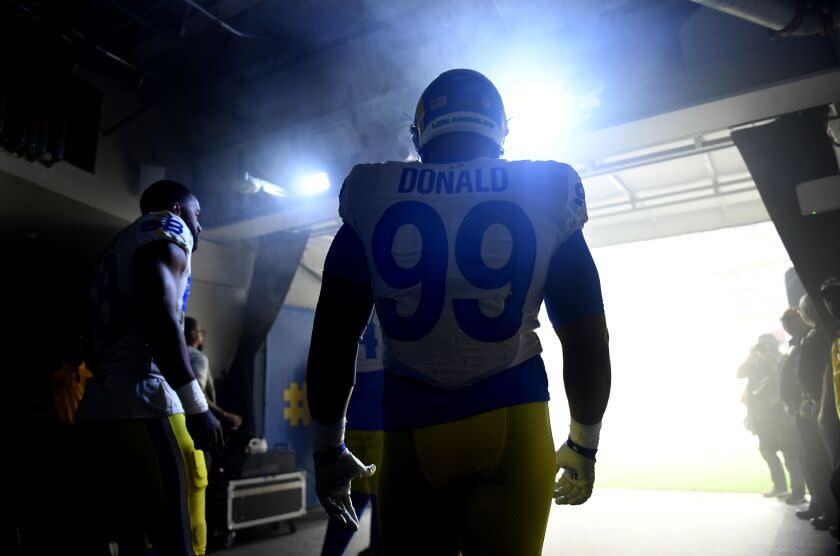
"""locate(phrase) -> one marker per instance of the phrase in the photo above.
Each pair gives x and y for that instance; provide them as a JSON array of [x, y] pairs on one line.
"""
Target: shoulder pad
[[164, 226], [346, 205], [574, 196], [576, 192], [563, 183]]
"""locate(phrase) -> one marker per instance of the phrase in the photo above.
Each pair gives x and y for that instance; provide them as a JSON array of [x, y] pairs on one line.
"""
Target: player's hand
[[574, 487], [333, 474], [206, 432], [234, 419]]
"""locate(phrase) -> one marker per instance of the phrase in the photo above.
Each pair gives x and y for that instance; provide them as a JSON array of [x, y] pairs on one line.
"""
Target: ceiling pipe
[[784, 17]]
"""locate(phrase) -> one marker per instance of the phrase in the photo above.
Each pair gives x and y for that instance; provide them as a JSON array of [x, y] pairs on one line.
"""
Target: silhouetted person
[[194, 336], [830, 291], [790, 393], [145, 416], [817, 462], [766, 416]]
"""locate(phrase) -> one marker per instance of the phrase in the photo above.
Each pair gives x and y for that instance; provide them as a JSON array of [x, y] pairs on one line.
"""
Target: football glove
[[334, 471], [577, 459]]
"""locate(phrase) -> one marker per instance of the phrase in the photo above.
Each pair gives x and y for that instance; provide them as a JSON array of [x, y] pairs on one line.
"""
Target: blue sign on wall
[[287, 420]]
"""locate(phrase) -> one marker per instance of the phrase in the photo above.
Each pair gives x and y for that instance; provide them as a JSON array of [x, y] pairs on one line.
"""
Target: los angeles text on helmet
[[447, 120], [453, 182]]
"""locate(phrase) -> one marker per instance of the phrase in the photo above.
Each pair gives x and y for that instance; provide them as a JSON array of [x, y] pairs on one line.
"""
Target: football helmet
[[459, 100]]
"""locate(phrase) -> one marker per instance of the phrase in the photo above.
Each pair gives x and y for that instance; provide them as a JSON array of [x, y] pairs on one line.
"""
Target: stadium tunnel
[[706, 135]]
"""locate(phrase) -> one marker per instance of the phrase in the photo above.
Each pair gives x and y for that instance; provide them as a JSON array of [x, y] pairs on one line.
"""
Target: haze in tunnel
[[683, 313]]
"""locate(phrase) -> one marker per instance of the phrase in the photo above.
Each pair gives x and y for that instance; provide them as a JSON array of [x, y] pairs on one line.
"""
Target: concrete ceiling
[[325, 87]]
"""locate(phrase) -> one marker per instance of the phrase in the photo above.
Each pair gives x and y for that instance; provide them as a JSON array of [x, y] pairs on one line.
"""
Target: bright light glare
[[541, 119], [546, 108], [314, 184]]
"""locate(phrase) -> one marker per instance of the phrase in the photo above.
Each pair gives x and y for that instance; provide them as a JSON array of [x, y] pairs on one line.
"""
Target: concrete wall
[[90, 207]]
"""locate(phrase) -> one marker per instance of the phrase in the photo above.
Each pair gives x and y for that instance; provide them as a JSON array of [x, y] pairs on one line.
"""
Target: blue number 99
[[517, 271], [429, 272], [431, 269]]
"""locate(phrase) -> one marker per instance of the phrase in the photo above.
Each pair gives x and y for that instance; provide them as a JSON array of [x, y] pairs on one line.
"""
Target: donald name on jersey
[[428, 181]]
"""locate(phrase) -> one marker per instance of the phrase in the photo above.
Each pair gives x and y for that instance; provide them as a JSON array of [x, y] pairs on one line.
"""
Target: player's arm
[[158, 267], [231, 418], [343, 311], [201, 368], [575, 307], [586, 367]]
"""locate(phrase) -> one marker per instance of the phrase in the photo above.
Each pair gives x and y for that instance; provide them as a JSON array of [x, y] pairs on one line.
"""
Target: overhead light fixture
[[259, 184], [314, 184], [307, 186]]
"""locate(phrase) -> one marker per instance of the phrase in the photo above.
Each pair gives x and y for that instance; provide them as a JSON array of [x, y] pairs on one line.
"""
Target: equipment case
[[248, 490], [262, 500]]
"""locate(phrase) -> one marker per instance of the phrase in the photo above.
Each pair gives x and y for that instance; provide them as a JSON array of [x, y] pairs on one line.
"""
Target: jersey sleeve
[[572, 287], [346, 205], [346, 256], [163, 226], [574, 200]]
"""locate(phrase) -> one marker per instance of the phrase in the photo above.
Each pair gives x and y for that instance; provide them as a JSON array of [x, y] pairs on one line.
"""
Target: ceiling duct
[[784, 17]]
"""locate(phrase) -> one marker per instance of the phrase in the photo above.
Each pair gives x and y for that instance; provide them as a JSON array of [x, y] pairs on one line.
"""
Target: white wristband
[[585, 435], [192, 398], [325, 437]]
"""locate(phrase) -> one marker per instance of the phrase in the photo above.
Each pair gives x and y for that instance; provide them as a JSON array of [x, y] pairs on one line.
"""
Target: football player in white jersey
[[146, 415], [457, 254]]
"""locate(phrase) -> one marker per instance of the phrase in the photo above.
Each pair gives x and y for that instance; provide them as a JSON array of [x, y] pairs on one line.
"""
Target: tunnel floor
[[618, 522]]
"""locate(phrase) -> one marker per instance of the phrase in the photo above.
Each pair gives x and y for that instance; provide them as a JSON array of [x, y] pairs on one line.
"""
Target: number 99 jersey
[[458, 256]]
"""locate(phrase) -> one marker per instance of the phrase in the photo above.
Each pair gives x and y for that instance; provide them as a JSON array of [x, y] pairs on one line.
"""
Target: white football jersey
[[458, 256], [127, 383]]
